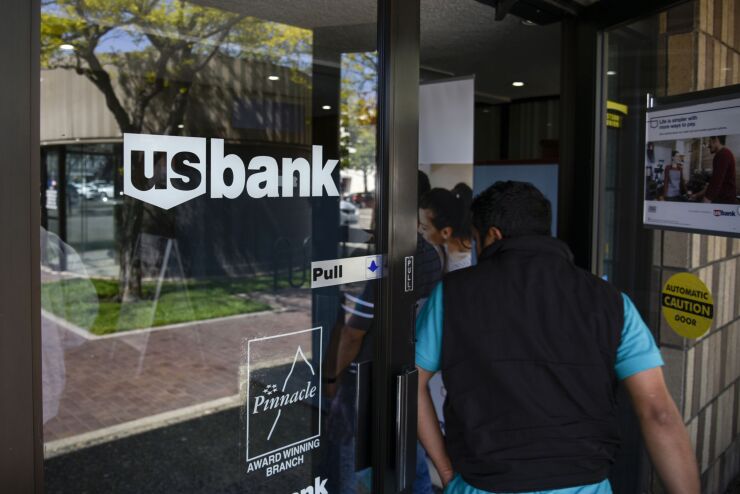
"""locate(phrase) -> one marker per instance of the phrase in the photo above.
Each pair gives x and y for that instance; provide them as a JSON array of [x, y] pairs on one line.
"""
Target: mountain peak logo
[[167, 171], [267, 402]]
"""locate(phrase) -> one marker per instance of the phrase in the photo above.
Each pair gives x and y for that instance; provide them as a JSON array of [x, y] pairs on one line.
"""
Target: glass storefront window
[[197, 157], [628, 76]]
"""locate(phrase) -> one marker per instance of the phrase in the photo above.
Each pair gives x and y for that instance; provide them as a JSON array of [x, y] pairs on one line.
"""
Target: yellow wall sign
[[688, 306], [612, 118]]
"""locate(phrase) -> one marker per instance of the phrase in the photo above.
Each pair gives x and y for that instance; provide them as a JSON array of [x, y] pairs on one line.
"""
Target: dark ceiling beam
[[503, 7], [567, 6], [612, 13], [526, 8]]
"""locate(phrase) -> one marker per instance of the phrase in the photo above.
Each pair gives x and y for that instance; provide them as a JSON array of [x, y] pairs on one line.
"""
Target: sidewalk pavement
[[92, 384]]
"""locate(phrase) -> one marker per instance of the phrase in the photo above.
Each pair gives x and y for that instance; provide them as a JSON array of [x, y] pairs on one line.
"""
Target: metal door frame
[[21, 429], [21, 448], [394, 413]]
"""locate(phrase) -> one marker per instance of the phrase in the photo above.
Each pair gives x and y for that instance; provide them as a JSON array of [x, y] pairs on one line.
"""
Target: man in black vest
[[531, 349]]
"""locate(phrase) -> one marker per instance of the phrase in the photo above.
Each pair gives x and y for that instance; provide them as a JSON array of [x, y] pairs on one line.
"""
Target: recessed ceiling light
[[66, 47], [273, 78], [611, 72], [181, 126], [326, 107], [517, 84]]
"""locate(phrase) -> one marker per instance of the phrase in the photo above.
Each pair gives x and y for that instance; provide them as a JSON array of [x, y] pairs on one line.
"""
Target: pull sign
[[409, 270], [347, 270]]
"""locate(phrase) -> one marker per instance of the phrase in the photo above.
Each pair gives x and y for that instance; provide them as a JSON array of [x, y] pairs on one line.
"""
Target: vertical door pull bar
[[406, 389]]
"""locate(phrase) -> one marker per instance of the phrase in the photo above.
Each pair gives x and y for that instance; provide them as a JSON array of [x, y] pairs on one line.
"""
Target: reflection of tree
[[144, 56], [359, 99]]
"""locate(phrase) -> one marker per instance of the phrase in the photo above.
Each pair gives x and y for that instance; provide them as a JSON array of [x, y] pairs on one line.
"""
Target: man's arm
[[428, 429], [719, 175], [342, 351], [663, 430]]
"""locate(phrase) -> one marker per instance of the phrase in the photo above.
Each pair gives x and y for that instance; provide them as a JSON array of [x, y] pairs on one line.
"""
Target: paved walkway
[[90, 384]]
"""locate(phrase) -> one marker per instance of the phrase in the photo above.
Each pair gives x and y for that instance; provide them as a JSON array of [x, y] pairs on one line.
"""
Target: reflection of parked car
[[363, 199], [105, 190], [348, 213], [86, 190]]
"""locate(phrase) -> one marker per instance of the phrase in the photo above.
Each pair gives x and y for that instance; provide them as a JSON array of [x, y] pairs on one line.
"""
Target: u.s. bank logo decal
[[167, 171], [283, 399]]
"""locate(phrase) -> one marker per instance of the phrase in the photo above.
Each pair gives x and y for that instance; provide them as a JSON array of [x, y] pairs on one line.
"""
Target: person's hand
[[706, 200], [446, 477]]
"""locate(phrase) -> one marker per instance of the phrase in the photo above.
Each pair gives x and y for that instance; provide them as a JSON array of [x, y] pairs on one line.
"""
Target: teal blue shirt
[[637, 352]]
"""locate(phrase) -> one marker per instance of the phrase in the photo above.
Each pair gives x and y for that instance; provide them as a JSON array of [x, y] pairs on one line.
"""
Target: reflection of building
[[255, 115], [353, 181]]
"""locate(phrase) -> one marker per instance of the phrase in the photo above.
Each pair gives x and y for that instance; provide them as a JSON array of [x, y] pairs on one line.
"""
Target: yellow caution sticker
[[688, 306]]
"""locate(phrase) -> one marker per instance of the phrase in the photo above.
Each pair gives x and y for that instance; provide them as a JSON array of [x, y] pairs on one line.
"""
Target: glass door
[[213, 277]]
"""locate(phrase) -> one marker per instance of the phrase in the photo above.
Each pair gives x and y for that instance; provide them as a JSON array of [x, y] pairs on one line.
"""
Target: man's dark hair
[[674, 153], [721, 139], [515, 208], [423, 187]]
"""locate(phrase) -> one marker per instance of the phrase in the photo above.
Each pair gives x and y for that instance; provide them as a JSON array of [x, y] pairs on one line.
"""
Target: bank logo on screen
[[721, 212], [167, 171]]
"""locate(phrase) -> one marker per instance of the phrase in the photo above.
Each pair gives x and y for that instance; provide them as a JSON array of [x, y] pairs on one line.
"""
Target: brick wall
[[700, 49]]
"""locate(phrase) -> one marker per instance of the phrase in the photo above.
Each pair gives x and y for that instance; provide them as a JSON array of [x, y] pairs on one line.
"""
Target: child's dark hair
[[449, 209]]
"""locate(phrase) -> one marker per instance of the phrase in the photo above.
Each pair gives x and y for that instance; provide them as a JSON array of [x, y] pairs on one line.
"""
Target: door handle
[[363, 406], [407, 384]]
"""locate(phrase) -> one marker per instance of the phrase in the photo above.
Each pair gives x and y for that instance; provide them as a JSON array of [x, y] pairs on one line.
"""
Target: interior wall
[[489, 120], [446, 131], [533, 129]]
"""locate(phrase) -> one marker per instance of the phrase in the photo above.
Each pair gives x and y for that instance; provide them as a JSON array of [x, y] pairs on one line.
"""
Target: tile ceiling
[[458, 38]]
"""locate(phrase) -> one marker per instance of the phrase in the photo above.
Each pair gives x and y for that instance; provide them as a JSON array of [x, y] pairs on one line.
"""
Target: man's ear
[[493, 235], [446, 232]]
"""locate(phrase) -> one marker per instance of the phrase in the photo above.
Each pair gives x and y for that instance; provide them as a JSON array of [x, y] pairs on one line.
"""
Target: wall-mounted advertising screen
[[691, 166]]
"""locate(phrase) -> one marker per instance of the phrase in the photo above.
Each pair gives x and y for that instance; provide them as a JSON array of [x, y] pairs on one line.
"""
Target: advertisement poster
[[691, 167]]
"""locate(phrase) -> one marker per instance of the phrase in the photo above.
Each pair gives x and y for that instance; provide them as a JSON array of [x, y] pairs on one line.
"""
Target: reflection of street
[[198, 456], [365, 218], [181, 367], [91, 231]]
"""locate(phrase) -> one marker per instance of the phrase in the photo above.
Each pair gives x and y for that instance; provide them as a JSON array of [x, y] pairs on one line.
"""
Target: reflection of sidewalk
[[113, 381]]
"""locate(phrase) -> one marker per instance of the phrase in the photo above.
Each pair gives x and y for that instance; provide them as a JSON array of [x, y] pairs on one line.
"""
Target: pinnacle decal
[[283, 400]]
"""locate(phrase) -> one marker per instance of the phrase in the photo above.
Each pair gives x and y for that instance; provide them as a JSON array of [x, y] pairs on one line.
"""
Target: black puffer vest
[[528, 353]]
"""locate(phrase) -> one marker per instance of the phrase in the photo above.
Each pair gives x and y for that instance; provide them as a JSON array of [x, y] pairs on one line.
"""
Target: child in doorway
[[444, 221]]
